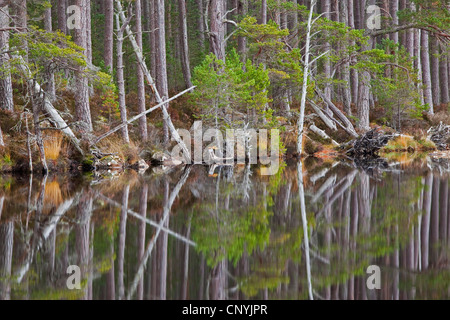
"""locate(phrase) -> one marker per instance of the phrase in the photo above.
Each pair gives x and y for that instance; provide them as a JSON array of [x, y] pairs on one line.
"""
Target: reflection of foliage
[[251, 285], [227, 234]]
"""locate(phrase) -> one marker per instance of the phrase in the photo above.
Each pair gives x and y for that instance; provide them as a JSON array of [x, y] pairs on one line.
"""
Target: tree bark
[[88, 31], [121, 80], [6, 92], [109, 39], [394, 9], [426, 71], [326, 9], [443, 78], [82, 108], [353, 73], [345, 73], [201, 24], [62, 18], [263, 12], [185, 65], [434, 60], [50, 86], [140, 75], [242, 41], [152, 37], [217, 28], [161, 64]]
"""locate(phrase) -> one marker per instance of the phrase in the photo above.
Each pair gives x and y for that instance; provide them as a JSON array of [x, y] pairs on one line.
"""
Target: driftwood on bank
[[440, 135], [369, 144]]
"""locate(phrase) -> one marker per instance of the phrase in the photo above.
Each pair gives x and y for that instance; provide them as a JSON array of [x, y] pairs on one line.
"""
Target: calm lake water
[[190, 233]]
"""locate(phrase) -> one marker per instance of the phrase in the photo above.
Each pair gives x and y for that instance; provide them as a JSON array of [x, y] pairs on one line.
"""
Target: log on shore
[[369, 144]]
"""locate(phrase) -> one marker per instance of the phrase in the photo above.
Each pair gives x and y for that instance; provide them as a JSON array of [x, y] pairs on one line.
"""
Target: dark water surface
[[187, 233]]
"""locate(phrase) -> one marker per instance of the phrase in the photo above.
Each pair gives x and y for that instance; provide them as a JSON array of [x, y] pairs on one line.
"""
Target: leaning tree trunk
[[185, 65], [217, 28], [82, 108], [140, 75], [6, 92], [109, 39], [426, 71]]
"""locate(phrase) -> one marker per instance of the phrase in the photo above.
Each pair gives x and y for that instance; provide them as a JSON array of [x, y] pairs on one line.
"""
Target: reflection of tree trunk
[[202, 278], [426, 220], [110, 283], [353, 234], [443, 220], [301, 194], [141, 236], [184, 289], [82, 231], [122, 238], [434, 223], [218, 280], [162, 248], [6, 251]]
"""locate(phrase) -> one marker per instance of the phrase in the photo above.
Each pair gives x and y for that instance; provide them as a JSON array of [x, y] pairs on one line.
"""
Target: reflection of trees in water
[[234, 236]]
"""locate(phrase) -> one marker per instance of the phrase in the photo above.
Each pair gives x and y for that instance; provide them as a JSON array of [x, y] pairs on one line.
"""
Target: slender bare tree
[[6, 92]]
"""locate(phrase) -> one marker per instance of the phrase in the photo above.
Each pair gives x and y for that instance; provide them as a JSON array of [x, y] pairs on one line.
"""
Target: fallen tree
[[369, 144], [440, 135]]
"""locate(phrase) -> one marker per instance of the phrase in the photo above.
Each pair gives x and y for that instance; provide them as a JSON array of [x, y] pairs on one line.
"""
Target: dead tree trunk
[[120, 78]]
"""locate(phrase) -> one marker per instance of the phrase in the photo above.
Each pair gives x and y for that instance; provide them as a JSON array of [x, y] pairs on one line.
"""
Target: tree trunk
[[201, 24], [6, 92], [217, 28], [263, 12], [426, 71], [88, 31], [185, 65], [353, 72], [410, 33], [62, 17], [121, 246], [108, 54], [121, 81], [242, 41], [161, 64], [434, 60], [326, 9], [345, 73], [306, 71], [82, 108], [443, 78], [394, 9], [152, 37], [51, 91], [140, 75]]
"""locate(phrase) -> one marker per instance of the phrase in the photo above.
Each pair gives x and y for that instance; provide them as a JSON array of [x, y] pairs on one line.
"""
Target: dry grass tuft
[[53, 143]]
